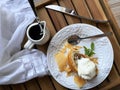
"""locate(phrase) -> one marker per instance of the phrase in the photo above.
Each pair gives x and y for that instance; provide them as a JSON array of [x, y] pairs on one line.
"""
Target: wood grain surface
[[97, 9]]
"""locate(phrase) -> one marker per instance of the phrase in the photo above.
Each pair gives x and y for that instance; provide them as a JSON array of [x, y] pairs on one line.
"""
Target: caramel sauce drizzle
[[63, 60]]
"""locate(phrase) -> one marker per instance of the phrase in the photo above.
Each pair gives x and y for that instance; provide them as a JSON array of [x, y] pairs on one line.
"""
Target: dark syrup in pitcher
[[35, 32]]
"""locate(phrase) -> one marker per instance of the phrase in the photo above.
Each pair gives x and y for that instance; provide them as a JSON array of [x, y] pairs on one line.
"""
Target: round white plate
[[103, 50]]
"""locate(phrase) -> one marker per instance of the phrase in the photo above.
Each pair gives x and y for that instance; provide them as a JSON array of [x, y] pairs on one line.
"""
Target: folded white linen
[[17, 66], [24, 66]]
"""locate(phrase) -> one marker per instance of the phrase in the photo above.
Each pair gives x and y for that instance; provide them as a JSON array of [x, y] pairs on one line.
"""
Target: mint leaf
[[89, 51], [92, 46], [86, 50]]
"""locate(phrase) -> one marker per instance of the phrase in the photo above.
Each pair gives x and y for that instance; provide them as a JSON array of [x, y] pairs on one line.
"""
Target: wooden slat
[[6, 87], [111, 18], [103, 84], [32, 85], [96, 9], [95, 88], [45, 83], [1, 88], [57, 19], [115, 8], [68, 4], [111, 85], [113, 74], [18, 87], [82, 9], [42, 3]]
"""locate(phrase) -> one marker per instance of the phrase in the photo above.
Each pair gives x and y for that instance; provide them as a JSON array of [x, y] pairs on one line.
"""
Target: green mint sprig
[[90, 51]]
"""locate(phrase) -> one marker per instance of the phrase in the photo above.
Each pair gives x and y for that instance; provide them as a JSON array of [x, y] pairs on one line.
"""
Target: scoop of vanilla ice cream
[[86, 68]]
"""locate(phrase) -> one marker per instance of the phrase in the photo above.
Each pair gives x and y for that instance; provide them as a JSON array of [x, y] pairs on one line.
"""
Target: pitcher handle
[[44, 24]]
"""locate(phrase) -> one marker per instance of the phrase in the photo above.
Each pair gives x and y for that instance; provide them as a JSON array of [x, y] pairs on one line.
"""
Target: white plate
[[103, 50]]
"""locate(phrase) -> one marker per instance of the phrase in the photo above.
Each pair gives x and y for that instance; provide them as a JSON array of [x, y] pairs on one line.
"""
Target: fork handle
[[99, 35]]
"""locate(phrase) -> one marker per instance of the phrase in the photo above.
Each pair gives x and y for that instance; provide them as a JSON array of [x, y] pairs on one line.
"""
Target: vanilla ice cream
[[86, 68]]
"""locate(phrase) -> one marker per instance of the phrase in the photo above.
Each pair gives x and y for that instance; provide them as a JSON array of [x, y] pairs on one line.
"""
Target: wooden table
[[97, 9], [115, 8]]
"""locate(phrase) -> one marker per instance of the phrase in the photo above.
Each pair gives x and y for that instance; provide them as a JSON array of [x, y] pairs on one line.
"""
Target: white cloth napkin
[[17, 66]]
